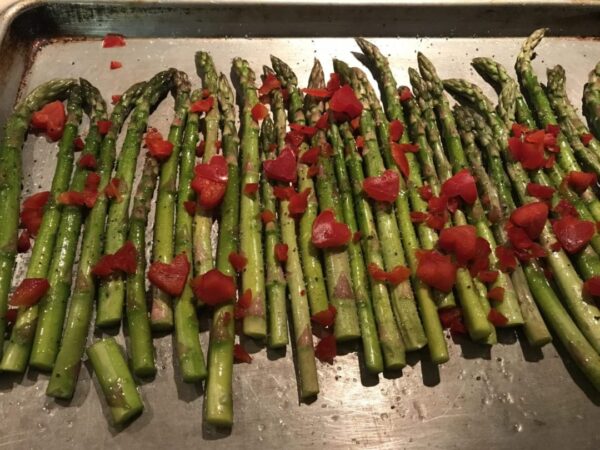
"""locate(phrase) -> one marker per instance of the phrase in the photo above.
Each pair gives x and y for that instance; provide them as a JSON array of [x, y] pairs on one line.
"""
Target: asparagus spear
[[337, 261], [189, 351], [299, 305], [18, 349], [115, 380], [253, 277], [13, 136], [161, 315], [545, 116], [569, 120], [311, 263], [140, 337], [591, 101], [66, 368], [53, 306], [403, 302], [218, 403], [111, 292], [276, 284], [203, 220]]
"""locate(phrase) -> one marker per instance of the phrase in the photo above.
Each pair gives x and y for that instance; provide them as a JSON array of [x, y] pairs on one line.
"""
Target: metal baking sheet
[[508, 397]]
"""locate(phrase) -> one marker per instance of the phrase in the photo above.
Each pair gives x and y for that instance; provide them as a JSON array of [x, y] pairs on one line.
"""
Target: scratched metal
[[508, 397]]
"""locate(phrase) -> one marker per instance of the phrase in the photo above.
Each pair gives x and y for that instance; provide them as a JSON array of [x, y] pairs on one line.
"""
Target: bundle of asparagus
[[353, 217]]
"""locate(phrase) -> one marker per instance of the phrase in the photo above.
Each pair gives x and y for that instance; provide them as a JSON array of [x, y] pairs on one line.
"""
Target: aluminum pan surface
[[511, 397]]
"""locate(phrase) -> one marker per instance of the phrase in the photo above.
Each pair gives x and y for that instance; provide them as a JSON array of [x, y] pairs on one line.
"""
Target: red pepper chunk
[[519, 130], [396, 130], [384, 188], [586, 138], [449, 315], [267, 216], [238, 261], [283, 192], [245, 300], [123, 260], [344, 101], [270, 82], [299, 203], [241, 355], [303, 129], [159, 148], [462, 185], [87, 161], [36, 201], [506, 258], [572, 233], [408, 148], [329, 233], [78, 144], [317, 93], [400, 159], [23, 242], [202, 106], [114, 99], [592, 286], [325, 318], [488, 276], [281, 252], [310, 156], [398, 275], [436, 270], [259, 112], [73, 198], [113, 40], [213, 287], [323, 122], [326, 349], [496, 294], [425, 192], [377, 273], [580, 181], [497, 318], [170, 278], [29, 292], [283, 168], [210, 182], [356, 237], [112, 189], [405, 94], [531, 218], [50, 119], [190, 207], [540, 191], [250, 188], [418, 217], [115, 65], [103, 126], [461, 241]]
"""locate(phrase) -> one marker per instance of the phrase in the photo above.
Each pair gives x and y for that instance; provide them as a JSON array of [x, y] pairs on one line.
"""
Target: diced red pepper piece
[[241, 355], [170, 278], [78, 144], [462, 185], [586, 138], [580, 181], [506, 258], [376, 272], [259, 112], [398, 275], [531, 217], [294, 139], [114, 99], [572, 233], [313, 171], [553, 129], [425, 192], [159, 148], [396, 130], [518, 237], [344, 101], [203, 106], [123, 260], [29, 292], [592, 286], [299, 203], [436, 270], [328, 232], [245, 300], [540, 191], [92, 182], [283, 168], [496, 294], [405, 94], [303, 129], [112, 189], [323, 122], [310, 156], [210, 182], [23, 242], [384, 188], [200, 149], [565, 208], [113, 40], [356, 236], [449, 315], [360, 142], [418, 217], [36, 201], [407, 148], [481, 261], [51, 119], [400, 159], [334, 82], [283, 192], [519, 130], [213, 287], [488, 276], [497, 318], [270, 82], [325, 318], [535, 137], [281, 252], [238, 261], [190, 207], [87, 161], [250, 188], [103, 126], [326, 349], [267, 216], [317, 93], [115, 65], [461, 241], [73, 198], [31, 219]]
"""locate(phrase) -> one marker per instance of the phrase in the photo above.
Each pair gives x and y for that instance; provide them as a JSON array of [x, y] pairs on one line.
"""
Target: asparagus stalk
[[276, 284], [311, 263], [189, 351], [545, 116], [18, 349], [140, 337], [297, 288], [403, 302], [337, 261], [111, 292], [218, 403], [161, 315], [53, 306], [115, 380], [66, 368], [591, 101], [253, 277], [351, 191], [13, 137], [203, 220]]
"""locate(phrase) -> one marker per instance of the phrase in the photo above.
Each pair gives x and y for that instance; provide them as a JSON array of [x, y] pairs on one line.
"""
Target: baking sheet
[[508, 397]]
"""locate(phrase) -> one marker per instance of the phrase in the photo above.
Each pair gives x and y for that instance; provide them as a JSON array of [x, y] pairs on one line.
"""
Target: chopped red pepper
[[496, 294], [334, 82], [87, 161], [488, 276], [462, 185], [200, 149], [113, 40], [281, 252], [203, 106], [425, 192], [31, 220], [115, 65], [529, 152], [540, 191], [283, 192], [326, 349], [586, 138], [259, 112], [396, 130], [241, 355], [531, 217], [114, 99], [23, 242], [78, 144], [398, 275], [36, 201], [250, 188], [418, 217], [449, 315], [328, 232], [313, 171], [112, 189], [270, 82], [481, 261], [267, 216], [580, 181], [210, 182], [565, 208], [377, 273], [299, 203], [317, 93], [518, 237], [572, 233], [282, 168], [506, 258], [190, 207], [407, 148], [92, 182], [344, 101], [360, 142], [461, 241], [356, 236], [51, 119], [73, 198], [170, 278], [303, 129], [103, 126], [436, 270], [294, 139], [384, 188], [553, 129], [592, 286], [325, 318], [310, 156], [245, 300], [497, 318], [405, 94], [519, 130], [238, 261], [400, 159], [159, 148], [323, 122], [29, 292], [213, 287]]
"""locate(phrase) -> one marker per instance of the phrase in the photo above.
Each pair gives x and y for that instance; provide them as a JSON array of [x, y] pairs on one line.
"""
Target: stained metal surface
[[508, 397]]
